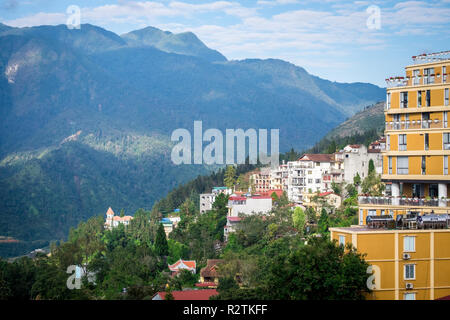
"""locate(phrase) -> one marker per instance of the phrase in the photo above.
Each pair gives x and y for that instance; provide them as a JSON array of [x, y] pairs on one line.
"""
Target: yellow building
[[407, 264], [406, 234], [415, 162]]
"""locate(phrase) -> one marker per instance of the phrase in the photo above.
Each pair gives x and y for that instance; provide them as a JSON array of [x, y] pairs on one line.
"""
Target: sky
[[344, 41]]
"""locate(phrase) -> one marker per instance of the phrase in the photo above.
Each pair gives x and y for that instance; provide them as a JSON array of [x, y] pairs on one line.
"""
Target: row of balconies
[[416, 124], [417, 81], [404, 201]]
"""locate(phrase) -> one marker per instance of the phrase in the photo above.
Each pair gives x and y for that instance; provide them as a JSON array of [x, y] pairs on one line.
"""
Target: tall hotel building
[[409, 246]]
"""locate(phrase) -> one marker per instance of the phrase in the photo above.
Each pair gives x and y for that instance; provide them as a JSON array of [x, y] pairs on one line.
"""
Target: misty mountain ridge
[[86, 117]]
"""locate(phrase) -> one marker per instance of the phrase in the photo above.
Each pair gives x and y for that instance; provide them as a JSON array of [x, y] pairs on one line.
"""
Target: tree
[[323, 222], [299, 219], [357, 179], [332, 147], [230, 177], [337, 188], [242, 182], [295, 275], [372, 185], [371, 166], [161, 246], [284, 201], [169, 295], [351, 190]]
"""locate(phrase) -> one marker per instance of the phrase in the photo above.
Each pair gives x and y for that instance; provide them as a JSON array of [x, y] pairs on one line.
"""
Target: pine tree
[[230, 177], [161, 246], [371, 166]]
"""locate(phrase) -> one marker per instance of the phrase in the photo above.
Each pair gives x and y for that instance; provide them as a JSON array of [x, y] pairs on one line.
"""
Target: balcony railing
[[416, 81], [402, 201], [416, 124]]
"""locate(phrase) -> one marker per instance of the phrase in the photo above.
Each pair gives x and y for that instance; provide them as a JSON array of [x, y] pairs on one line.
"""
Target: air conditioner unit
[[409, 286], [406, 256]]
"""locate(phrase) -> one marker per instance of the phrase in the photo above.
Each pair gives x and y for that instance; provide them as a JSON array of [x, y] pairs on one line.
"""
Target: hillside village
[[388, 201], [358, 223]]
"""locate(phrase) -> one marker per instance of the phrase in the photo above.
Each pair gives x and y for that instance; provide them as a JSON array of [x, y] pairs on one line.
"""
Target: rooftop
[[317, 157], [202, 294]]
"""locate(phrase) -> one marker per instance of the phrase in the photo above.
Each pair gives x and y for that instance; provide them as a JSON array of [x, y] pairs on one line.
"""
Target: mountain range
[[86, 117]]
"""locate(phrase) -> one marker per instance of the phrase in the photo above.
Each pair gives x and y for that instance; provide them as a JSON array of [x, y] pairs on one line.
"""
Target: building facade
[[356, 160], [113, 221], [409, 264], [415, 160], [406, 233]]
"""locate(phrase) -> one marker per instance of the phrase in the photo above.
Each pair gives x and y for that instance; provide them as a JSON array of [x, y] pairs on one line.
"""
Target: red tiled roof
[[374, 151], [124, 218], [323, 194], [354, 146], [110, 212], [268, 193], [191, 264], [237, 198], [234, 219], [261, 197], [202, 294], [211, 268], [317, 157], [206, 284]]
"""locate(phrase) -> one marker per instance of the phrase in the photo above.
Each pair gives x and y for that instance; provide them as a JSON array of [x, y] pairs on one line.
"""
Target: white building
[[279, 177], [312, 173], [113, 221], [207, 199], [356, 160], [244, 205]]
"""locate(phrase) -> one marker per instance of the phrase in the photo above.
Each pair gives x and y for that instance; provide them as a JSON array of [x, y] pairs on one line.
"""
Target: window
[[445, 164], [383, 212], [446, 97], [390, 165], [342, 240], [317, 180], [372, 213], [416, 76], [419, 99], [396, 121], [388, 101], [446, 139], [409, 244], [428, 75], [444, 74], [404, 99], [416, 190], [428, 97], [425, 119], [433, 190], [424, 165], [310, 181], [445, 119], [427, 141], [388, 142], [361, 217], [402, 142], [402, 165], [410, 272], [410, 296]]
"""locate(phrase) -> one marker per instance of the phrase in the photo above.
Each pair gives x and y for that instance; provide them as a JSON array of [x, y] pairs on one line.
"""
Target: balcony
[[416, 124], [301, 165], [395, 82], [403, 201]]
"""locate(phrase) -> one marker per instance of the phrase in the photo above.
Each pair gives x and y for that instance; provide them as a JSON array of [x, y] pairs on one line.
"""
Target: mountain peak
[[186, 43]]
